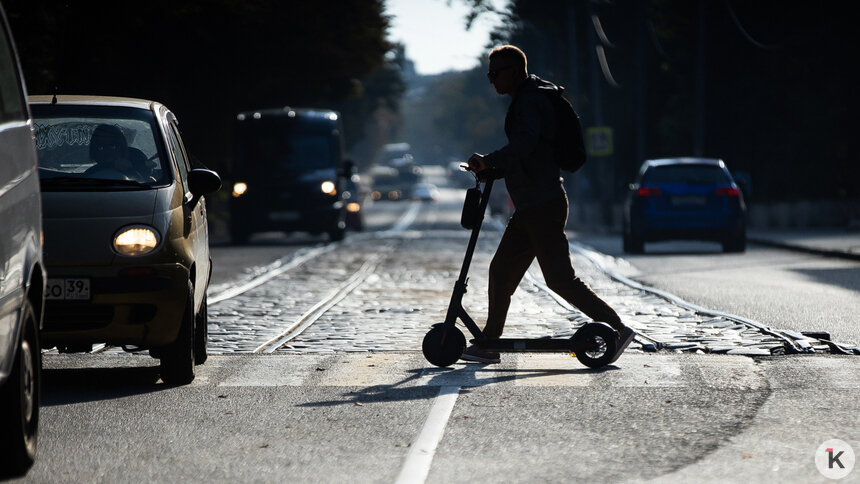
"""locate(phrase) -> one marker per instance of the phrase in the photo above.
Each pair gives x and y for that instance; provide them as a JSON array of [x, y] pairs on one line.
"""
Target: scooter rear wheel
[[443, 345], [595, 345]]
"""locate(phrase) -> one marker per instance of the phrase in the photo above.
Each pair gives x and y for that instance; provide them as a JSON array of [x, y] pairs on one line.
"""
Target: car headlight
[[239, 189], [136, 240], [328, 187]]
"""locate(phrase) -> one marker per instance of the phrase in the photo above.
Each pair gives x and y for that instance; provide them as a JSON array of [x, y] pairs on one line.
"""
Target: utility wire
[[746, 34], [604, 66], [601, 52], [598, 28]]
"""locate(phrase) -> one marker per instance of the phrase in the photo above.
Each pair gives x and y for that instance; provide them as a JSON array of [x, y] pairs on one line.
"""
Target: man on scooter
[[536, 228]]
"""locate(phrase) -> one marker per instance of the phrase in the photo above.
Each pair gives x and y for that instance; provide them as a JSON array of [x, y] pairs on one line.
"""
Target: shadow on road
[[65, 386], [464, 376]]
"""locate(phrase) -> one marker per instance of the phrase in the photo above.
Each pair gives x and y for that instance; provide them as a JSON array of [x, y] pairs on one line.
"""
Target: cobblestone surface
[[411, 288]]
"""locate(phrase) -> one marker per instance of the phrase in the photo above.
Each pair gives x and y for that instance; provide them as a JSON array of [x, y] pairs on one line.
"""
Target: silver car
[[22, 276], [126, 236]]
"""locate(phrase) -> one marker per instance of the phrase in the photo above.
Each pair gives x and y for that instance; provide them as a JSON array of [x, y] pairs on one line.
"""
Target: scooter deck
[[531, 345]]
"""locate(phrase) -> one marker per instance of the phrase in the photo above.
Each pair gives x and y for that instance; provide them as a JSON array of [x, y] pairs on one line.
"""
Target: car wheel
[[177, 358], [201, 334], [19, 402]]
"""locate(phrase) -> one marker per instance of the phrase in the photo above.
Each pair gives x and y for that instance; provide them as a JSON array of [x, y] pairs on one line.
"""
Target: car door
[[21, 274], [20, 206], [196, 230]]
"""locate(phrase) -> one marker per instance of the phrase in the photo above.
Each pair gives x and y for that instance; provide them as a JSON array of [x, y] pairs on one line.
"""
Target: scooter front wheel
[[443, 345], [594, 344]]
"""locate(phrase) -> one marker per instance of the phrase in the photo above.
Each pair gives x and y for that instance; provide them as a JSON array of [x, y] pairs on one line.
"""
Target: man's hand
[[476, 163]]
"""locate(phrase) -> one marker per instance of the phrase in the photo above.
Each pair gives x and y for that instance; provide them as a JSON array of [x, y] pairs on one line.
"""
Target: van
[[22, 274], [289, 173]]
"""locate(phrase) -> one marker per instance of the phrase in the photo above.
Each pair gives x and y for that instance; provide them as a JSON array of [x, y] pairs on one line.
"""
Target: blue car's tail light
[[728, 192], [645, 192]]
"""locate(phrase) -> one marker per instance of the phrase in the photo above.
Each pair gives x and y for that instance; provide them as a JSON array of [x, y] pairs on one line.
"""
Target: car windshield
[[284, 147], [686, 174], [97, 148]]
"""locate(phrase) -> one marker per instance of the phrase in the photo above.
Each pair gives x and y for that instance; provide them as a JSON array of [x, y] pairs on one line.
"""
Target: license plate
[[71, 289], [685, 201], [285, 216]]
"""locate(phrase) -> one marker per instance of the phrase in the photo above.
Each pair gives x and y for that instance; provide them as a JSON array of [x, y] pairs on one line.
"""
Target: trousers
[[538, 232]]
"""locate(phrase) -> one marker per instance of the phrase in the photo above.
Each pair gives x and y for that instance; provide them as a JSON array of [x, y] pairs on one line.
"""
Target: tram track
[[283, 266], [790, 342], [326, 303], [295, 327]]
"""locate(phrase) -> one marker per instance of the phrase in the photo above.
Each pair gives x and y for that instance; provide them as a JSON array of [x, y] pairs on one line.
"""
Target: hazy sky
[[435, 34]]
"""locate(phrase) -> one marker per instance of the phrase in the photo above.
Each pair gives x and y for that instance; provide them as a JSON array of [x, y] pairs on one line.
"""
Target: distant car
[[386, 184], [684, 198], [126, 237], [426, 192], [22, 273]]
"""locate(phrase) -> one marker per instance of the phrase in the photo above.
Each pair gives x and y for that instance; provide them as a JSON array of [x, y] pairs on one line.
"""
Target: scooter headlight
[[135, 241]]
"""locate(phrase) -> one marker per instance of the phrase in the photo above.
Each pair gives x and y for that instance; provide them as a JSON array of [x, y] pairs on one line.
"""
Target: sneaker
[[624, 338], [473, 353]]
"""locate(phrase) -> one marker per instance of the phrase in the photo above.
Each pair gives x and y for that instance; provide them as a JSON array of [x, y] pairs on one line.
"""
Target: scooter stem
[[455, 307], [473, 239]]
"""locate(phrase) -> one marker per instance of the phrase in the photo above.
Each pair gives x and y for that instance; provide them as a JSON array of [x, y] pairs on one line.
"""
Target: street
[[316, 372]]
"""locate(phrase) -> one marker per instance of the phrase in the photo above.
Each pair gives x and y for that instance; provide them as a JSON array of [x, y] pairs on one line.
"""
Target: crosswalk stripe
[[377, 369], [273, 372], [551, 370], [408, 370]]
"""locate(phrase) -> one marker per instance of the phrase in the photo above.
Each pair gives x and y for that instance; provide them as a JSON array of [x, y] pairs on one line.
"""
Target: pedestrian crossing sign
[[598, 141]]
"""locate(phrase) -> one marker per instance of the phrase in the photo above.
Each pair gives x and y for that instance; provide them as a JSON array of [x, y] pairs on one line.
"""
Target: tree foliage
[[210, 60], [777, 97], [455, 115]]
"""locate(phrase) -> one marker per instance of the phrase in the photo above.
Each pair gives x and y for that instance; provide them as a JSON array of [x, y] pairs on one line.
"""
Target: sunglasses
[[493, 74]]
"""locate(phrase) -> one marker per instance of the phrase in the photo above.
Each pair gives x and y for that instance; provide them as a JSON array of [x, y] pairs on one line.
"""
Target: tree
[[776, 98], [209, 60]]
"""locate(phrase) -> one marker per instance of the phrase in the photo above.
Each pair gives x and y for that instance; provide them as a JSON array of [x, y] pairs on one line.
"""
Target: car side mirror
[[202, 182]]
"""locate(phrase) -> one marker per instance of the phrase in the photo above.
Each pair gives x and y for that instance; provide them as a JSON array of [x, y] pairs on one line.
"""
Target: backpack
[[568, 145]]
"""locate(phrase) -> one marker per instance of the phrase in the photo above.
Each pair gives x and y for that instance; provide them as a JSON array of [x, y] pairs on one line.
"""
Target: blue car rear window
[[686, 174]]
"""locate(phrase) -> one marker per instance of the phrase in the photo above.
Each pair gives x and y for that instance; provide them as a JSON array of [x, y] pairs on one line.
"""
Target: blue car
[[684, 198]]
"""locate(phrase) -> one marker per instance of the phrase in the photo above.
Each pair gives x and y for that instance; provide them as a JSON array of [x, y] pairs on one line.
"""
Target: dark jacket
[[531, 174]]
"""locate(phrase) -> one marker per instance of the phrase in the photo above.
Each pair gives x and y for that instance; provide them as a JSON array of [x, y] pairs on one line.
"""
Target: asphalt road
[[389, 416], [357, 418]]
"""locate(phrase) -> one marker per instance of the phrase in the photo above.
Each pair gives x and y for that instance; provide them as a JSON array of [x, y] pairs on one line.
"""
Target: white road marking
[[405, 220], [417, 465], [272, 372]]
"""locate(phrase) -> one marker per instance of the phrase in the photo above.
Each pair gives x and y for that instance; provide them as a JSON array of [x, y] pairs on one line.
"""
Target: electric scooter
[[594, 344]]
